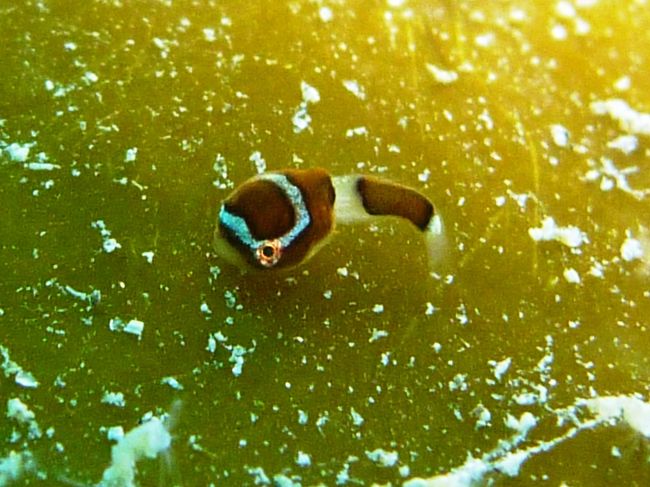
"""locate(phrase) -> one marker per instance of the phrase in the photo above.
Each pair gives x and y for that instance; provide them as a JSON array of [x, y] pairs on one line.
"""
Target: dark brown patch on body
[[382, 197]]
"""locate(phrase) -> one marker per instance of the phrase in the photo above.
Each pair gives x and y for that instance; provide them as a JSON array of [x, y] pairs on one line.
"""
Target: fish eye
[[269, 252]]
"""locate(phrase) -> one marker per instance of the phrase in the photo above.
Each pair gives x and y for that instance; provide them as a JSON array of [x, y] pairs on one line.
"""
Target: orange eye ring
[[269, 252]]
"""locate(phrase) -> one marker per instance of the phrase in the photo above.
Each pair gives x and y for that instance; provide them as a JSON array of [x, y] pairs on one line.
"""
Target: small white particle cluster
[[134, 327], [108, 243], [14, 466], [629, 119], [611, 177], [257, 159], [144, 441], [442, 76], [20, 412], [301, 118], [570, 236], [114, 399], [22, 377], [631, 249], [382, 457], [353, 87], [560, 135], [131, 154]]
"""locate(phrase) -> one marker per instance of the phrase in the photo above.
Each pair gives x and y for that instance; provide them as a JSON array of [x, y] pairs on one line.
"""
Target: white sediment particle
[[109, 244], [309, 93], [442, 76], [485, 40], [114, 399], [14, 466], [90, 77], [42, 166], [22, 377], [301, 119], [280, 480], [131, 154], [612, 177], [500, 368], [303, 459], [209, 34], [134, 327], [560, 135], [424, 175], [325, 14], [257, 159], [148, 255], [18, 152], [382, 457], [378, 308], [570, 236], [357, 419], [559, 32], [623, 83], [20, 412], [356, 131], [377, 334], [237, 353], [565, 9], [571, 275], [259, 476], [303, 417], [172, 382], [631, 249], [629, 119], [144, 441], [353, 87], [625, 143]]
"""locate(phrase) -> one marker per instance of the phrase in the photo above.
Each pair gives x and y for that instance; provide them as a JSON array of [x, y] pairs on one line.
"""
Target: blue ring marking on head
[[238, 226]]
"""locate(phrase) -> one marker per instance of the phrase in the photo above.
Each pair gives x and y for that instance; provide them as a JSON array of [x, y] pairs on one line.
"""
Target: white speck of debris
[[342, 271], [382, 457], [18, 152], [560, 135], [358, 131], [424, 175], [114, 399], [484, 40], [442, 76], [115, 433], [172, 382], [22, 377], [500, 201], [612, 177], [257, 159], [430, 309], [309, 93], [377, 334], [500, 368], [109, 244], [325, 14], [209, 34], [570, 236], [353, 87], [259, 476], [559, 32], [629, 119], [14, 466], [631, 249], [303, 459], [625, 143], [90, 77], [144, 441], [237, 353], [623, 83], [205, 309], [571, 276], [396, 3], [301, 119], [131, 154], [565, 9], [134, 327], [357, 419], [327, 294], [148, 255], [303, 417], [378, 308], [19, 411]]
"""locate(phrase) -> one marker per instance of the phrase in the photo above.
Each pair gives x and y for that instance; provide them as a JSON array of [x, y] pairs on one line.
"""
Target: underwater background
[[123, 124]]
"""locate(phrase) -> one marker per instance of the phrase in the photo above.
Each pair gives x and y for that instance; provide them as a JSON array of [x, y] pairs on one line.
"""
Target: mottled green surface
[[85, 81]]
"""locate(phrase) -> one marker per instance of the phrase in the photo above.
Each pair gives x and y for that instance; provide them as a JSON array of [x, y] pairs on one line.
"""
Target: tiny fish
[[281, 219]]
